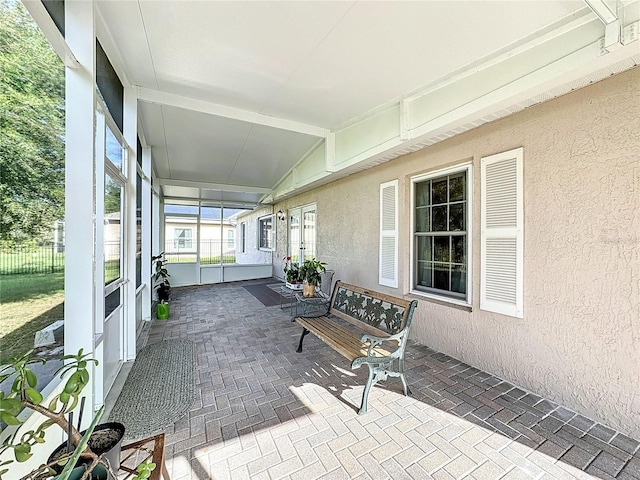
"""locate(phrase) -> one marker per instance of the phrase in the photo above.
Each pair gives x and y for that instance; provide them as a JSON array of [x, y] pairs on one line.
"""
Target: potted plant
[[161, 285], [97, 461], [293, 277], [311, 271]]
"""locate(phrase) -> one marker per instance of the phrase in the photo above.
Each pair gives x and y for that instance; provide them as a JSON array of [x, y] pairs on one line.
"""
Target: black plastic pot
[[110, 448], [98, 473]]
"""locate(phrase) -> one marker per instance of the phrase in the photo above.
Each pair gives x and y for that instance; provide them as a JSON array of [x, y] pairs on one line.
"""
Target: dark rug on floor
[[159, 390], [267, 294]]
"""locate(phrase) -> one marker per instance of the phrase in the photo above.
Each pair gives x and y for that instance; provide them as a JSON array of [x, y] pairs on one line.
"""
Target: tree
[[31, 128]]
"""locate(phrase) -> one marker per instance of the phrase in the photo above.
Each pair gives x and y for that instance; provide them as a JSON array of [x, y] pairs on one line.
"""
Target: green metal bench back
[[382, 312]]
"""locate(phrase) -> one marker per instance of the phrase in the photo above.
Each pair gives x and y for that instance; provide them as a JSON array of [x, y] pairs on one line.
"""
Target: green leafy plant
[[143, 471], [23, 394], [161, 278], [311, 271], [291, 271]]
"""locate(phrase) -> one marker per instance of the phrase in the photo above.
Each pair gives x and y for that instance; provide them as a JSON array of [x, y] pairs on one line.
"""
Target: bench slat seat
[[383, 322], [344, 341]]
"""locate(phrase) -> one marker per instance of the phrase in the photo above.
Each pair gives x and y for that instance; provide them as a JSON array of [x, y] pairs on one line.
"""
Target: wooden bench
[[383, 322]]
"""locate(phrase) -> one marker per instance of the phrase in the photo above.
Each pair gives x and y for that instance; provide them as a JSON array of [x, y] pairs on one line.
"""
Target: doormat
[[159, 390], [267, 294]]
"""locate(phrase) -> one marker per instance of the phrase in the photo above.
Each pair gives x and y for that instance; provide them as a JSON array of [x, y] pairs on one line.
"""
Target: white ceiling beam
[[45, 22], [212, 186], [164, 98], [604, 11]]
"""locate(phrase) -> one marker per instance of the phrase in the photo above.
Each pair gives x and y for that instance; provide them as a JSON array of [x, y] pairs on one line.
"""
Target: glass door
[[302, 233], [308, 232]]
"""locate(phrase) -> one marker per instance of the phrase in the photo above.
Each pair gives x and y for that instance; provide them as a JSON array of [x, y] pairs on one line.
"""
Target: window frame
[[467, 168], [261, 220], [177, 239]]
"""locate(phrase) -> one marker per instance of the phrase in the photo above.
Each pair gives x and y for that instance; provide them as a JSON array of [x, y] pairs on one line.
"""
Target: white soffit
[[327, 66]]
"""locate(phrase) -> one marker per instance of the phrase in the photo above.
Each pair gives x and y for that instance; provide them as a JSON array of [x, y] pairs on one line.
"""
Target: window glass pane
[[439, 220], [180, 239], [458, 279], [441, 276], [114, 149], [112, 229], [181, 209], [294, 237], [458, 245], [309, 234], [32, 179], [424, 249], [422, 194], [439, 191], [138, 269], [266, 232], [456, 217], [138, 230], [441, 258], [441, 249], [111, 302], [422, 219], [229, 226], [425, 274], [210, 235], [457, 187]]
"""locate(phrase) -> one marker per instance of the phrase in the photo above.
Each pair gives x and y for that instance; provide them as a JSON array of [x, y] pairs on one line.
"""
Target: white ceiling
[[324, 64]]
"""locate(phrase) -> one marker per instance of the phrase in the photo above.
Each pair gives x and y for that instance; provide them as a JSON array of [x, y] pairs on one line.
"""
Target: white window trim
[[506, 308], [468, 168], [389, 233], [273, 232]]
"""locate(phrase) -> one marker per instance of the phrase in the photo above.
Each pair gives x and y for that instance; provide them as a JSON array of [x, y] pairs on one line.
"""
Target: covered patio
[[480, 158], [263, 411]]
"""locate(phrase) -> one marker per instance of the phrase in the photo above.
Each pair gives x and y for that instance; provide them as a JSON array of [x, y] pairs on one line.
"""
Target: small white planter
[[294, 286]]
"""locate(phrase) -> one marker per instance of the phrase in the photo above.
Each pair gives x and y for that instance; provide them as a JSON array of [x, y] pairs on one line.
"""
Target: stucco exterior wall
[[252, 253], [579, 341]]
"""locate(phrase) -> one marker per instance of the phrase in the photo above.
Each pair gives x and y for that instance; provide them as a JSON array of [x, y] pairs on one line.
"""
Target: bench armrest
[[375, 341]]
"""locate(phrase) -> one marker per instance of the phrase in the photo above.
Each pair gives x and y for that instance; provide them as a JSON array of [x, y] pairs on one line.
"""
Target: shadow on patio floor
[[264, 411]]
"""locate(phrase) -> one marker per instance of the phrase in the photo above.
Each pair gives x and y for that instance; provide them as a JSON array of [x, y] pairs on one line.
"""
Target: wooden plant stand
[[151, 447]]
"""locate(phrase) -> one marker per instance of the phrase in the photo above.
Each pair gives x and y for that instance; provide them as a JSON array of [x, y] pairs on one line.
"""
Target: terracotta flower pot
[[308, 290]]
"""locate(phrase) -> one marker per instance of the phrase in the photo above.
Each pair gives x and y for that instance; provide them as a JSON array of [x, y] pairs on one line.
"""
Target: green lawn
[[28, 303]]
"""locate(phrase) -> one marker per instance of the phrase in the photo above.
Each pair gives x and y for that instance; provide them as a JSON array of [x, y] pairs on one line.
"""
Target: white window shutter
[[502, 242], [388, 266]]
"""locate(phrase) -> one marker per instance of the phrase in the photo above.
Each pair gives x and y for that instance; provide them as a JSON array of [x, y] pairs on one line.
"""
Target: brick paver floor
[[264, 411]]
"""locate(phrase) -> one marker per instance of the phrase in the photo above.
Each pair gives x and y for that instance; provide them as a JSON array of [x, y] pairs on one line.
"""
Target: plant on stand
[[311, 271], [161, 285], [293, 276], [85, 447]]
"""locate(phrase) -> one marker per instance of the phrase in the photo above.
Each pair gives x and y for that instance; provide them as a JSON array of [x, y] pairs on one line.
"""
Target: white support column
[[130, 137], [405, 121], [330, 152], [80, 261], [146, 235]]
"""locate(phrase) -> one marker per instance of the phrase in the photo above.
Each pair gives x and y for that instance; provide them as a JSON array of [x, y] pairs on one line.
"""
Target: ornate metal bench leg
[[367, 388], [405, 387], [304, 334]]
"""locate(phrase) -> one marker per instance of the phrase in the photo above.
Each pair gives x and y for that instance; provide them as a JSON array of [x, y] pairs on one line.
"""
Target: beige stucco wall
[[579, 341], [252, 253]]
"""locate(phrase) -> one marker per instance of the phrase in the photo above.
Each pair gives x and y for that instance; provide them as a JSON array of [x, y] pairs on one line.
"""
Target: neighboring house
[[181, 237]]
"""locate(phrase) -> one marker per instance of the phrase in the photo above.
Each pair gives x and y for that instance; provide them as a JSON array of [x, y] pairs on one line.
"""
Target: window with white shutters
[[502, 218], [441, 203], [388, 268]]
